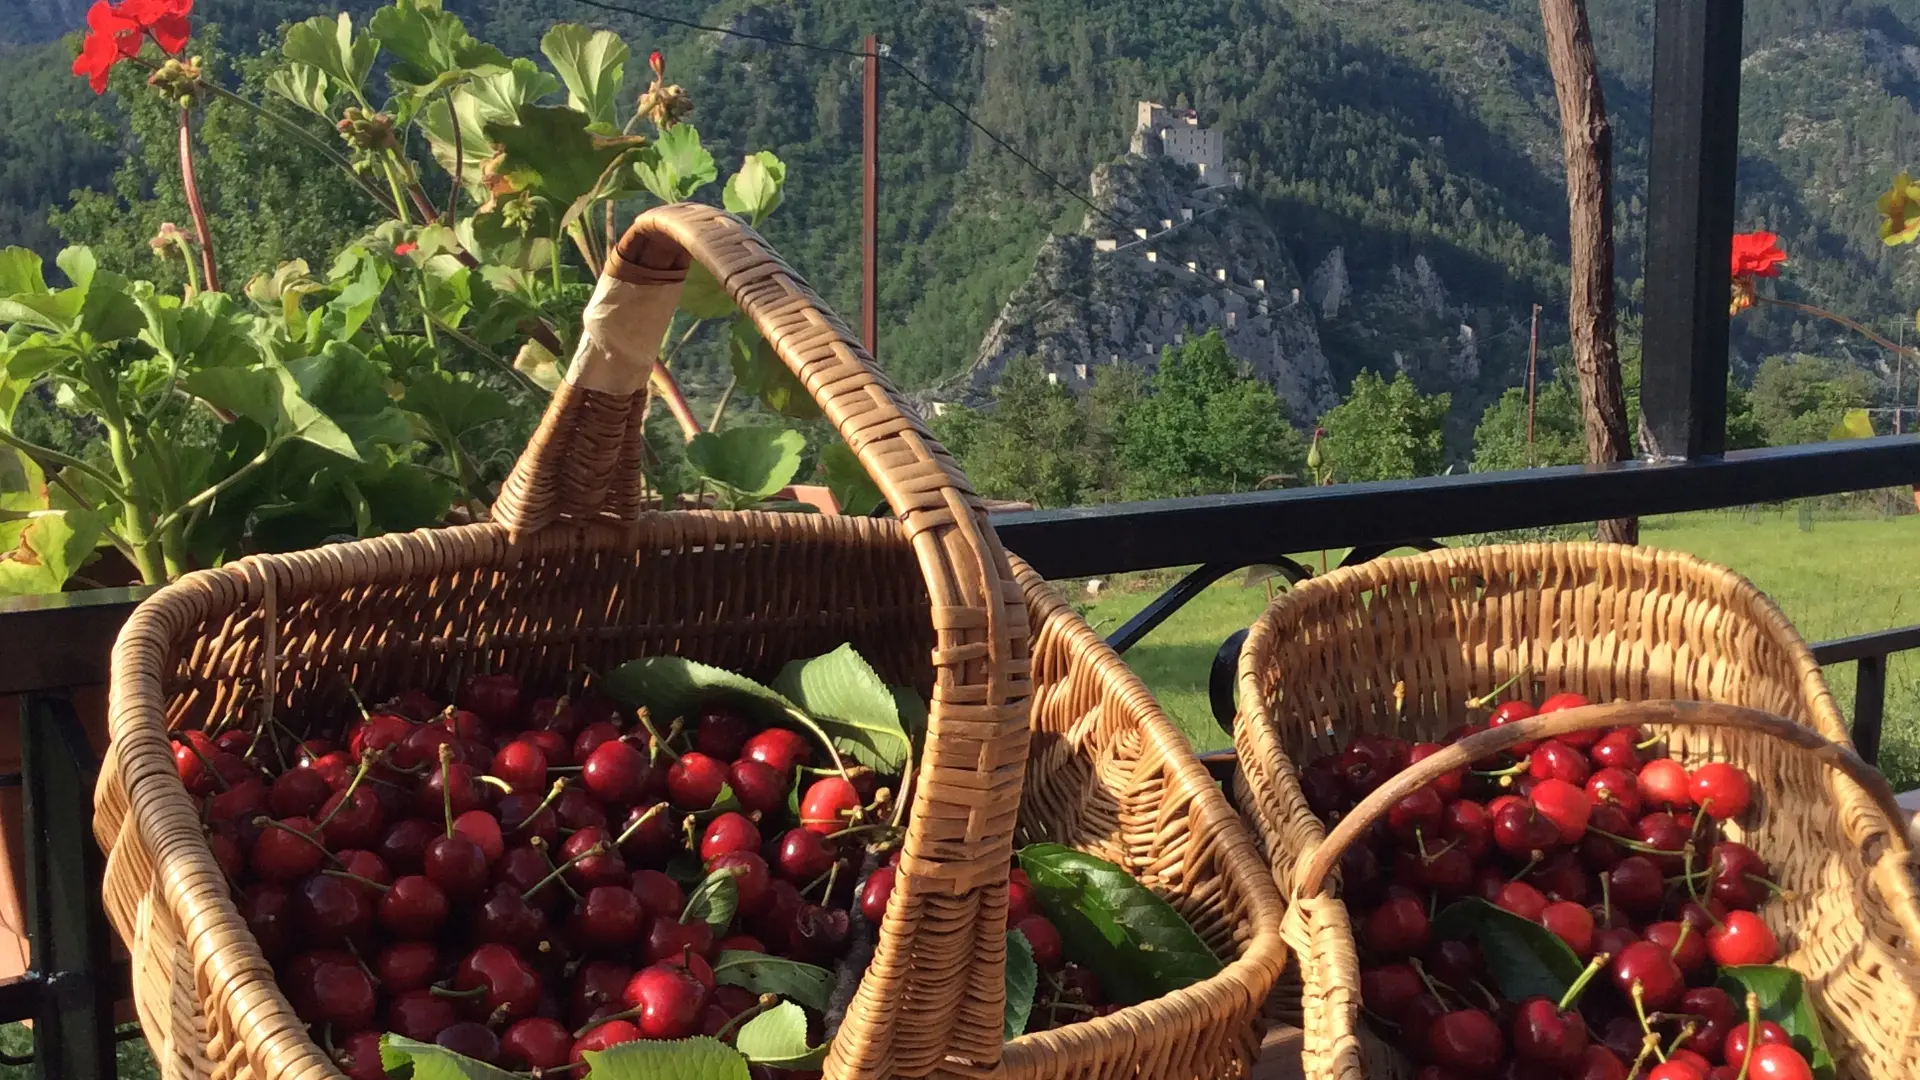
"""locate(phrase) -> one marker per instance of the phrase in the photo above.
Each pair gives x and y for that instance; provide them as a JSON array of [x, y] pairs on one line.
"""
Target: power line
[[897, 65]]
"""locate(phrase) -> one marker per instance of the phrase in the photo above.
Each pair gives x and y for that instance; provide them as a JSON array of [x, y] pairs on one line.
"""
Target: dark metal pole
[[1691, 179], [1869, 707], [870, 209], [1533, 364], [73, 1028]]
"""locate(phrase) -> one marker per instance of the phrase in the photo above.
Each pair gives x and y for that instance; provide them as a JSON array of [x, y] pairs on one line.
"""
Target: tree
[[1206, 428], [1500, 439], [1387, 430], [1800, 399], [1033, 446]]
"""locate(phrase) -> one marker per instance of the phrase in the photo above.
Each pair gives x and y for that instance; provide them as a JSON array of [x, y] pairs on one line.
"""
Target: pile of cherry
[[523, 883], [1614, 849]]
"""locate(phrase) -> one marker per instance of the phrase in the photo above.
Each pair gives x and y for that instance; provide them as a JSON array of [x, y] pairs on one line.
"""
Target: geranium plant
[[314, 404]]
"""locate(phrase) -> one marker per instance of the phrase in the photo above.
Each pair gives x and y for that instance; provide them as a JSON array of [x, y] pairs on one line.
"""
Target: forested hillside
[[1387, 129]]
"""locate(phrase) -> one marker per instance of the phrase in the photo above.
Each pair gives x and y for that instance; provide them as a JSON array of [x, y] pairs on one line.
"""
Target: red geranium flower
[[166, 20], [111, 38], [658, 63], [406, 248], [1757, 254]]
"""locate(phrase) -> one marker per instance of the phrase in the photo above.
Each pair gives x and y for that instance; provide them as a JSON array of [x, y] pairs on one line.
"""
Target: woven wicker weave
[[572, 572], [1613, 623], [1109, 774]]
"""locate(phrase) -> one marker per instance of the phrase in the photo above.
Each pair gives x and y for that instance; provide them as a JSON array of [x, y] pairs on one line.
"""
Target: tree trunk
[[1586, 139]]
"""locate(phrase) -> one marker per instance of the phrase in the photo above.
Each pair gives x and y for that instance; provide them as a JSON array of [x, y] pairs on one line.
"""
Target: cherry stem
[[1606, 896], [833, 752], [1434, 986], [766, 1002], [626, 833], [1649, 1045], [354, 696], [628, 1015], [597, 849], [553, 796], [205, 764], [659, 741], [1506, 773], [366, 765], [858, 830], [495, 783], [1635, 845], [449, 992], [1686, 1032], [446, 784], [268, 823], [1579, 986], [1493, 1000], [1493, 695], [1639, 996], [1753, 1034], [357, 879], [1536, 859], [1649, 744]]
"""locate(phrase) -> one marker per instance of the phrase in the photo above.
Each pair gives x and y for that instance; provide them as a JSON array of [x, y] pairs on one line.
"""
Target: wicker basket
[[1612, 623], [1109, 774], [573, 571]]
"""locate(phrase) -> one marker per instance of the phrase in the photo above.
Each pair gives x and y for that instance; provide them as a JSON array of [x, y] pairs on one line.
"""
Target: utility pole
[[1533, 363], [870, 208]]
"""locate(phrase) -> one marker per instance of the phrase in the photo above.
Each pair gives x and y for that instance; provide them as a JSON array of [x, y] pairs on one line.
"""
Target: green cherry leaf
[[1135, 943]]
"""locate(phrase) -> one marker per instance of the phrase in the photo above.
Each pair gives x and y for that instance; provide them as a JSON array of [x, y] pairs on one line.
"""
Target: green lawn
[[1837, 577]]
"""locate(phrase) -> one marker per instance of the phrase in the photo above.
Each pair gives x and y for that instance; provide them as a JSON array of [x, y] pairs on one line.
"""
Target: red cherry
[[406, 965], [1617, 749], [268, 911], [1562, 877], [876, 891], [329, 910], [695, 965], [653, 840], [658, 893], [243, 801], [1040, 933], [1711, 1004], [1468, 1040], [603, 1036], [1675, 1070], [1454, 961], [1735, 875], [420, 1015], [1541, 1032], [192, 750], [728, 833], [507, 918], [353, 821], [1390, 990], [413, 907], [380, 731], [1560, 802], [1447, 784], [1772, 1062], [484, 830], [404, 847], [358, 1055], [1688, 947], [1506, 713], [1468, 825], [694, 781], [598, 983], [669, 1000], [1667, 835], [609, 917], [1636, 885], [512, 989], [828, 804], [1556, 760], [1573, 924], [1397, 927], [557, 715], [752, 881], [1720, 789], [495, 698], [1599, 1063], [606, 868], [298, 792], [1653, 969], [1448, 872], [759, 789], [469, 1039], [616, 772], [667, 937], [778, 749], [592, 737], [1734, 1050], [1742, 939], [720, 732], [1664, 782], [337, 992], [1523, 900], [457, 865], [1019, 896], [1562, 701], [523, 765], [1520, 830], [1417, 814], [1617, 787]]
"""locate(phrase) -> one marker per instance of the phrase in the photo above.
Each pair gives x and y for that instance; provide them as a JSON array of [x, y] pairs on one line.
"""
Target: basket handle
[[583, 463], [1320, 863], [934, 990]]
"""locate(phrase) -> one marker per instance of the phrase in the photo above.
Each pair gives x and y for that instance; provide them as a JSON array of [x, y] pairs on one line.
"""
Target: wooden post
[[1586, 140], [870, 207], [1533, 367]]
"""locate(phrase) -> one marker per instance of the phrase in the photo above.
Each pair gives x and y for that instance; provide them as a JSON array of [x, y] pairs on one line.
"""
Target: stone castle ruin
[[1177, 134]]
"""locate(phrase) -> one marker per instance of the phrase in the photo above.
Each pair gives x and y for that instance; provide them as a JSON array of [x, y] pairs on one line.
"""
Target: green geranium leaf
[[1023, 982], [406, 1059], [20, 272], [455, 403], [754, 191], [270, 397], [58, 312], [79, 265], [698, 1058], [1854, 424], [852, 704], [593, 65], [61, 542], [676, 165], [483, 100], [549, 151], [852, 488], [1783, 1000], [703, 297], [331, 45], [350, 390], [1525, 958], [431, 43], [304, 85], [751, 462], [1134, 942], [763, 974], [761, 372], [777, 1038]]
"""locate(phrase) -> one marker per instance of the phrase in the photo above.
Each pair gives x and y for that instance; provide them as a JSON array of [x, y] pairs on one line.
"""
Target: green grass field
[[1839, 577]]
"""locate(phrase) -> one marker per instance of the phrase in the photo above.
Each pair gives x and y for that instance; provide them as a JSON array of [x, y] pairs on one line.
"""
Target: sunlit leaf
[[331, 45], [763, 374], [752, 462], [676, 165], [431, 42], [20, 272], [549, 151], [777, 1039], [593, 65], [754, 191], [304, 85]]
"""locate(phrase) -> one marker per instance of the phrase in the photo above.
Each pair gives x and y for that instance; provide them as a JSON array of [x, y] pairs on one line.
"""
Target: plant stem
[[193, 272], [720, 410], [399, 200], [192, 506], [194, 205], [481, 351], [133, 520], [669, 388], [49, 456]]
